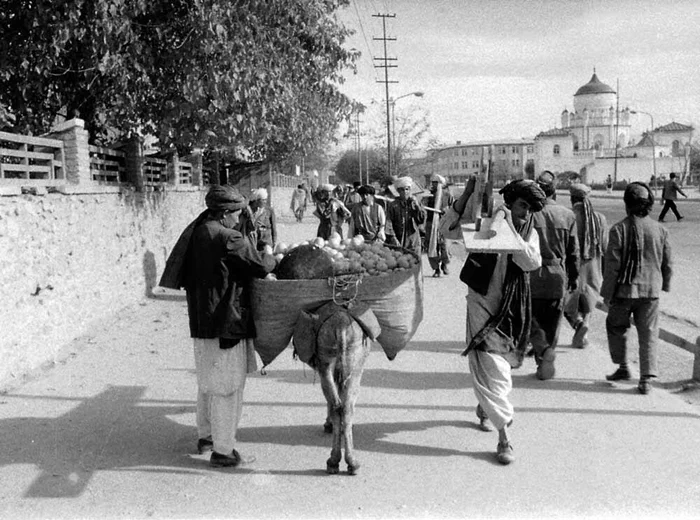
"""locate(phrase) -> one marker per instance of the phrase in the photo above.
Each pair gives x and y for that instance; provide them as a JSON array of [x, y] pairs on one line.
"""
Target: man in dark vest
[[556, 227]]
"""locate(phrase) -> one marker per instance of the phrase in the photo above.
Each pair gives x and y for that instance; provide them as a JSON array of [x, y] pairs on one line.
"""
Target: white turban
[[403, 182], [438, 178], [326, 187], [259, 194]]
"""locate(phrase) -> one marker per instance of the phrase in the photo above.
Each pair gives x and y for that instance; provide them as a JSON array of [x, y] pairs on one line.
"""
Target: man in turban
[[556, 227], [592, 227], [404, 216], [498, 313], [217, 265], [438, 255], [330, 211], [637, 267], [258, 221]]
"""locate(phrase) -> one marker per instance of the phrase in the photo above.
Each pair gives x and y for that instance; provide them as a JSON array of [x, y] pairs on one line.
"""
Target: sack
[[396, 302], [477, 271]]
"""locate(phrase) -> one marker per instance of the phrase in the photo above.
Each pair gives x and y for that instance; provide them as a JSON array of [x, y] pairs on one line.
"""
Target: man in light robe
[[499, 313], [592, 228], [367, 218]]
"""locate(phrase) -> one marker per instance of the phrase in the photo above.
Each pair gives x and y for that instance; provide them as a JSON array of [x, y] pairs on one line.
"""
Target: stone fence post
[[134, 162], [197, 164], [76, 150]]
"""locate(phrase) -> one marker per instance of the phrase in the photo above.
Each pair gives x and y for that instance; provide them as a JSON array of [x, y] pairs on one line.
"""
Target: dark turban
[[525, 189], [366, 190], [546, 182], [224, 198], [638, 198]]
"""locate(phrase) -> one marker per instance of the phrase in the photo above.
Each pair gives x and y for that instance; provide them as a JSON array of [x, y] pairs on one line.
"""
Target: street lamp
[[391, 130], [653, 144]]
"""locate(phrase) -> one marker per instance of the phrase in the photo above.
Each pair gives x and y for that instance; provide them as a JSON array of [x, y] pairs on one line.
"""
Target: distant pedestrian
[[498, 313], [258, 221], [609, 184], [439, 257], [556, 227], [670, 195], [637, 267], [299, 202], [215, 263], [330, 212], [404, 217], [352, 197], [592, 228]]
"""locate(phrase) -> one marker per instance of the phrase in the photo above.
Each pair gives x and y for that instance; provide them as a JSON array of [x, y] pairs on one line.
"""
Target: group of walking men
[[568, 258], [515, 301]]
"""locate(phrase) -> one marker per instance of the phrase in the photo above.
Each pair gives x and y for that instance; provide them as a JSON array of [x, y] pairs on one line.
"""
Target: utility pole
[[359, 143], [617, 126], [386, 65]]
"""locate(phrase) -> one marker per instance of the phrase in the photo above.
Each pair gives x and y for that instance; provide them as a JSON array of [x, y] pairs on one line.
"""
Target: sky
[[501, 69]]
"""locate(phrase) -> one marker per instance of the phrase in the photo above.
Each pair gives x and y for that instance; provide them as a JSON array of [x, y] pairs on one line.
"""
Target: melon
[[305, 262]]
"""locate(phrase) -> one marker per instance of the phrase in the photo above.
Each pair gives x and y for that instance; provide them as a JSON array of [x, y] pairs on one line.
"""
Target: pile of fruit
[[351, 255]]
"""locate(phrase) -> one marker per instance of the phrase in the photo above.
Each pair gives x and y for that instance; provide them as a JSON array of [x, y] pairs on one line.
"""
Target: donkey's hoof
[[353, 468], [328, 427], [332, 468]]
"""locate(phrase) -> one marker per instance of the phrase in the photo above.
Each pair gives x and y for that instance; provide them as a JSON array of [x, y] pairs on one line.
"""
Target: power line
[[364, 37], [386, 65]]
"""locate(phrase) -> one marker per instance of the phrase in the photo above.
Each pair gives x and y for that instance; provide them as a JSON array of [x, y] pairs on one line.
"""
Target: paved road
[[109, 433]]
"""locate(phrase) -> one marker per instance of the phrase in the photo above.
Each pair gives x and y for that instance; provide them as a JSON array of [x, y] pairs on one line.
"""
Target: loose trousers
[[492, 382], [221, 377], [646, 321]]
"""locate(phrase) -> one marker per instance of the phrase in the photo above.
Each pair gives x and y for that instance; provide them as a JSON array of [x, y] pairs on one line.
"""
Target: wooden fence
[[107, 165], [31, 160]]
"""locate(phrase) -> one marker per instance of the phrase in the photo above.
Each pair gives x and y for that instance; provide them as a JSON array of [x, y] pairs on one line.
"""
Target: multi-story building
[[509, 160], [595, 141]]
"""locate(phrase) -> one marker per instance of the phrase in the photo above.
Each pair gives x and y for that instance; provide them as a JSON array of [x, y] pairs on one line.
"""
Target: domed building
[[595, 141], [594, 124]]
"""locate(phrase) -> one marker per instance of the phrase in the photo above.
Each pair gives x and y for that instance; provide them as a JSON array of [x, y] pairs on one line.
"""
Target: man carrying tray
[[499, 312], [215, 264]]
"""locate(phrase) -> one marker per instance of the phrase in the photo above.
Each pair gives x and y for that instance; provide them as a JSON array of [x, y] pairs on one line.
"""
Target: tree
[[258, 76], [347, 168]]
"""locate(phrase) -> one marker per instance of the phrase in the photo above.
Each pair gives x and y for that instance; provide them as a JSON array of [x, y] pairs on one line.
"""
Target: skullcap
[[225, 198], [546, 177], [579, 190]]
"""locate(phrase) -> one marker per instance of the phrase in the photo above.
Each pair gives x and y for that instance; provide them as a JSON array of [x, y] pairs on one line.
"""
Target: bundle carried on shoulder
[[362, 275]]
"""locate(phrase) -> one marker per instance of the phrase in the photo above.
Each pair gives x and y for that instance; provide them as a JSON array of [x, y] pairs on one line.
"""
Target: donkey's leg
[[328, 425], [330, 391], [351, 391]]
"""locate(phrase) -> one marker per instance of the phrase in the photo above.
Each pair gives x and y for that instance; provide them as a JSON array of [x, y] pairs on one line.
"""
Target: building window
[[530, 149], [475, 164], [503, 149], [514, 149], [676, 148], [556, 149], [465, 165]]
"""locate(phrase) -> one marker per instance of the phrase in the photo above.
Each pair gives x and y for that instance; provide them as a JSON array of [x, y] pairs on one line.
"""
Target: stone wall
[[70, 260]]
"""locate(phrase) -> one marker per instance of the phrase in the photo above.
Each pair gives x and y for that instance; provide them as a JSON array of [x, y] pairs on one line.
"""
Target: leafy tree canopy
[[253, 75]]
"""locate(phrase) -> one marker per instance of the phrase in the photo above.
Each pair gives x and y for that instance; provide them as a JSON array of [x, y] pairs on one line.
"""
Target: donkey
[[340, 350]]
